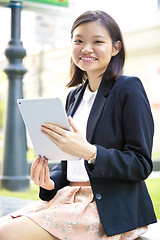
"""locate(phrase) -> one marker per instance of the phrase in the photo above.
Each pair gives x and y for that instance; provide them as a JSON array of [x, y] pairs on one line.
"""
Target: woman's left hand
[[71, 142]]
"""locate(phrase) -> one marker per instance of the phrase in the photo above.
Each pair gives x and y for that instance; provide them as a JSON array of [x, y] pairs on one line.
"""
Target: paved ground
[[9, 204], [153, 232]]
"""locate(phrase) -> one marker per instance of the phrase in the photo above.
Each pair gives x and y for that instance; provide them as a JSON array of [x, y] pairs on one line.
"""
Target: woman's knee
[[5, 232], [23, 228], [5, 219]]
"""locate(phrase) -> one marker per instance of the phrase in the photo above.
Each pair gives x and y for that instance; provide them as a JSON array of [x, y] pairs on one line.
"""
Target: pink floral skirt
[[72, 215]]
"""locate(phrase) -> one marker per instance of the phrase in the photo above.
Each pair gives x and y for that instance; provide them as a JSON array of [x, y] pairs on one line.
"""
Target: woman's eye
[[97, 41], [78, 41]]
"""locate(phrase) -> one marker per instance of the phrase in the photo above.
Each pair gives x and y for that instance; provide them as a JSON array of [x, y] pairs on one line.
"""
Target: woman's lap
[[5, 219], [23, 228], [72, 214]]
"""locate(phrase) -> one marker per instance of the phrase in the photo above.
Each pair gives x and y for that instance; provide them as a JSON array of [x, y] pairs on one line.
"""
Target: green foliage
[[31, 194], [153, 185], [0, 153], [156, 156], [30, 155]]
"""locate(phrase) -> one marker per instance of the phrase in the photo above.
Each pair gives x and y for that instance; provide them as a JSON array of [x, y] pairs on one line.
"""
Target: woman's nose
[[87, 49]]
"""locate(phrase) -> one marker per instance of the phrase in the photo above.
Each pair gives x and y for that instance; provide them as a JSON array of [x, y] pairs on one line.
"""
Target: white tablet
[[36, 112]]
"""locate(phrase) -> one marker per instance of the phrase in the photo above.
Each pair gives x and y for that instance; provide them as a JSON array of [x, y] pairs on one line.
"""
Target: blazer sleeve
[[133, 162], [58, 175]]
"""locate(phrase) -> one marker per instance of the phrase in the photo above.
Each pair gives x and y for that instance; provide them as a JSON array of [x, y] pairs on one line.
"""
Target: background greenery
[[31, 194], [153, 185]]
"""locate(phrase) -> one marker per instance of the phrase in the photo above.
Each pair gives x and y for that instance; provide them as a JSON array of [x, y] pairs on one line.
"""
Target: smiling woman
[[102, 195], [104, 33], [92, 52]]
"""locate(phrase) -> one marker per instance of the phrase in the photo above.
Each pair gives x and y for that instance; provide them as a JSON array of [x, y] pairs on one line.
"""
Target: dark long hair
[[115, 67]]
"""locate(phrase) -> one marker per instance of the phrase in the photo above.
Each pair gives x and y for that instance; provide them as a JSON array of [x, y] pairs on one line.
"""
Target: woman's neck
[[94, 83]]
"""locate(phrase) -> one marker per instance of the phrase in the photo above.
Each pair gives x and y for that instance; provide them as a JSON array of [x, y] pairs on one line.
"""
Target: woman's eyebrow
[[99, 36], [78, 35], [95, 36]]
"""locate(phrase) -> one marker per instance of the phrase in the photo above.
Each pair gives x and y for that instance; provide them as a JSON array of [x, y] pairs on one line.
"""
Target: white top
[[76, 171]]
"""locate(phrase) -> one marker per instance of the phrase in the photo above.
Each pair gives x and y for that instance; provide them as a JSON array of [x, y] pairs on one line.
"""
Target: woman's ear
[[116, 48]]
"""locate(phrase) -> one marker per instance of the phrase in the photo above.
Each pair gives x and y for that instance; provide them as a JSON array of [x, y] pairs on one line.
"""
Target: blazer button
[[98, 196]]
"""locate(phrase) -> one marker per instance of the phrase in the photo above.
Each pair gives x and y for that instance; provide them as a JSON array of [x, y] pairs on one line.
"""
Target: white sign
[[45, 29]]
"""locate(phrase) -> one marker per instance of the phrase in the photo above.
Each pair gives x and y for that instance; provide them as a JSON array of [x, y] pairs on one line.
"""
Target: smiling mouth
[[87, 58]]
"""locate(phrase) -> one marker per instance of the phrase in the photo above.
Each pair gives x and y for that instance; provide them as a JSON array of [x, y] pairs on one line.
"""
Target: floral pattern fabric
[[72, 215]]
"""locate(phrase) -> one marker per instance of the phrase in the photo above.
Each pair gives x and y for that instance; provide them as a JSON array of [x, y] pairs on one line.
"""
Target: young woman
[[103, 195]]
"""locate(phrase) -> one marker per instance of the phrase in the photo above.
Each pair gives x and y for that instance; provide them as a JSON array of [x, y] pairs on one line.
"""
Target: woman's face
[[92, 48]]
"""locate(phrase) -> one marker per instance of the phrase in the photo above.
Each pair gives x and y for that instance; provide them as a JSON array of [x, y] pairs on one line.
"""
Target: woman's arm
[[133, 160]]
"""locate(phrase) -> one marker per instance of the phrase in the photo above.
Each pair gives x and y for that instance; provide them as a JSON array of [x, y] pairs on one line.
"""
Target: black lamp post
[[15, 175]]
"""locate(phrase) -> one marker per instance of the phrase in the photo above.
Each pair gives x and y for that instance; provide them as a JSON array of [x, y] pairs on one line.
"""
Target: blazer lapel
[[97, 108], [76, 101], [100, 100]]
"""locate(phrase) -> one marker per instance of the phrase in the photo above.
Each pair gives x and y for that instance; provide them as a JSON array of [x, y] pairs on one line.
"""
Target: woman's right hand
[[40, 173]]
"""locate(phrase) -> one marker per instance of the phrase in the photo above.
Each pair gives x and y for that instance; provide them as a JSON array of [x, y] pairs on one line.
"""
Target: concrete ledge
[[153, 232], [10, 204], [156, 167]]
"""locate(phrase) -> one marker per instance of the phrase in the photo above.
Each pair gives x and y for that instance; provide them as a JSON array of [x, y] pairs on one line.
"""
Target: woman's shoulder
[[127, 80], [130, 87], [129, 83]]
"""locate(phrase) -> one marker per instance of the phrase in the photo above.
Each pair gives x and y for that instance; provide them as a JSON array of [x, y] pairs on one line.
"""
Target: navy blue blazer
[[120, 124]]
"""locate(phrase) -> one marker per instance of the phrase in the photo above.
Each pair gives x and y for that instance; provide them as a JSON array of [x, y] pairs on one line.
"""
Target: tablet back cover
[[35, 112]]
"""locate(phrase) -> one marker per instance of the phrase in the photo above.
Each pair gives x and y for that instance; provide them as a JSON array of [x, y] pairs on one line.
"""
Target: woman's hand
[[71, 142], [40, 173]]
